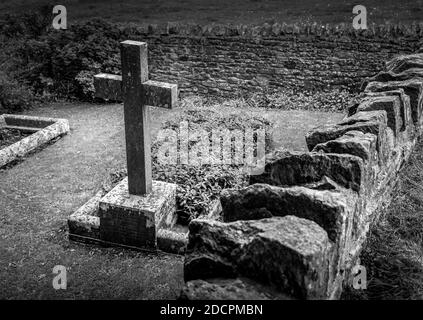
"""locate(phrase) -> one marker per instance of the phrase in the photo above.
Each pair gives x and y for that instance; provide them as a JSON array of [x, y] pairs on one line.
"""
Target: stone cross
[[137, 94]]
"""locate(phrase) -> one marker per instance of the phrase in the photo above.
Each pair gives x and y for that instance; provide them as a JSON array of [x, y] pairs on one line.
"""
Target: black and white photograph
[[209, 156]]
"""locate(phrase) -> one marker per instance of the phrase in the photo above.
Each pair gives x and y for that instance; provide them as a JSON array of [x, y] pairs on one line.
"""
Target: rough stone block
[[229, 289], [408, 74], [356, 143], [391, 104], [384, 136], [404, 62], [296, 252], [297, 168], [172, 241], [327, 208], [405, 106], [134, 220], [413, 88], [367, 122]]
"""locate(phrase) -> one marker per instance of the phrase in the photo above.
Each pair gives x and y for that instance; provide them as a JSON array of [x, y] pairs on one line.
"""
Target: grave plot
[[134, 211], [19, 135], [137, 211]]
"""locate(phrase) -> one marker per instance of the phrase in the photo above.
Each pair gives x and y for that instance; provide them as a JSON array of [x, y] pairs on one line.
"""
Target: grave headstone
[[137, 207]]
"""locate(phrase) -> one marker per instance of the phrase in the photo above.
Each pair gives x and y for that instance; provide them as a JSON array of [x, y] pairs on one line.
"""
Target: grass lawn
[[234, 11]]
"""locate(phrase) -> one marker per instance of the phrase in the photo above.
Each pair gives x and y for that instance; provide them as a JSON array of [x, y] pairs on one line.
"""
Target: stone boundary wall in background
[[229, 61], [297, 231]]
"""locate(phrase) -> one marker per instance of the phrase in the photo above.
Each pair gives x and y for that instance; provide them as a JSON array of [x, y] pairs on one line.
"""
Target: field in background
[[234, 11]]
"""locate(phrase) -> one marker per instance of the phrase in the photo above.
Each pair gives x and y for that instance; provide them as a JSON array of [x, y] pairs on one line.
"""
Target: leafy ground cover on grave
[[10, 136], [393, 254], [199, 185]]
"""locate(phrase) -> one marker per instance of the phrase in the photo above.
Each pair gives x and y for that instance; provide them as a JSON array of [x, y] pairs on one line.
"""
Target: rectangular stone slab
[[48, 129], [133, 220], [12, 120]]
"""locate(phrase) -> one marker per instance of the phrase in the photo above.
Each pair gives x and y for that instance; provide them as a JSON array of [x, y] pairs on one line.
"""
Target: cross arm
[[108, 86], [157, 94], [160, 94]]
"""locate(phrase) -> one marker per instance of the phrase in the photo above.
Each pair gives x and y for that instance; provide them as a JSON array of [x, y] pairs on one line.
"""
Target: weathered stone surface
[[405, 106], [296, 252], [108, 86], [205, 60], [324, 184], [158, 94], [134, 220], [48, 129], [84, 226], [356, 143], [85, 222], [172, 240], [229, 289], [12, 120], [413, 88], [326, 208], [391, 104], [296, 168], [408, 74], [137, 93], [404, 62], [367, 122], [385, 138]]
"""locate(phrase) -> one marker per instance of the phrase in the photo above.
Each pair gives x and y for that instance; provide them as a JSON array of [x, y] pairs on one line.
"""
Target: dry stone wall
[[229, 61], [299, 228]]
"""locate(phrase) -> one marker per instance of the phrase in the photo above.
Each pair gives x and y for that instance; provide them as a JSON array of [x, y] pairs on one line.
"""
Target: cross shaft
[[137, 94]]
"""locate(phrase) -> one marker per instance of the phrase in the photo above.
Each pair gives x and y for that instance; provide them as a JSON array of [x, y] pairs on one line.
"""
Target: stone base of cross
[[133, 211]]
